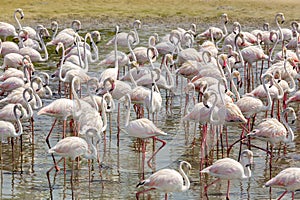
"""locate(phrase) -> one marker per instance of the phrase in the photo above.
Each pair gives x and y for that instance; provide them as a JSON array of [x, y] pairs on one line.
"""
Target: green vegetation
[[197, 11]]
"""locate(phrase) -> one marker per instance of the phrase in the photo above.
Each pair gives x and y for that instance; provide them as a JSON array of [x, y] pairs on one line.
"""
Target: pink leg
[[166, 196], [282, 195], [143, 191], [163, 144], [228, 187], [206, 187], [48, 143]]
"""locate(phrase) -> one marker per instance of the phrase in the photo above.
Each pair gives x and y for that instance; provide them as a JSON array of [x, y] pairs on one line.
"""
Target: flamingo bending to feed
[[230, 169], [167, 180], [289, 179]]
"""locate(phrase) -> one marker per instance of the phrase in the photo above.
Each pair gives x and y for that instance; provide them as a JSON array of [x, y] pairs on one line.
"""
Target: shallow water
[[24, 177]]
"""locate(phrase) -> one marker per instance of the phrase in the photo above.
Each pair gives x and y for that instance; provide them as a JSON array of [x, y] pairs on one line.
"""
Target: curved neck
[[247, 172], [169, 75], [116, 50], [60, 45], [233, 85], [269, 99], [17, 20], [18, 122], [291, 135], [212, 109], [186, 186], [137, 39], [29, 109], [55, 24], [292, 87], [278, 26], [274, 46], [93, 153], [43, 47], [104, 118], [77, 110], [280, 90], [95, 105]]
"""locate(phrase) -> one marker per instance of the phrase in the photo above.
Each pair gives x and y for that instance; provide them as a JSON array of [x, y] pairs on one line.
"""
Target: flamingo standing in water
[[289, 179], [167, 180], [75, 146], [142, 128], [230, 169], [7, 129]]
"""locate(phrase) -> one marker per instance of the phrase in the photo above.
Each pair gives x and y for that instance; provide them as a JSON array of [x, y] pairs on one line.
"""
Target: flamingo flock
[[230, 78]]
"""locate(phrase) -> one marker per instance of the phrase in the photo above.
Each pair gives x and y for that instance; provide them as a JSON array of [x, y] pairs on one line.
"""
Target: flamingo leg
[[228, 188], [282, 195], [143, 191], [163, 144], [207, 186], [48, 143], [166, 196]]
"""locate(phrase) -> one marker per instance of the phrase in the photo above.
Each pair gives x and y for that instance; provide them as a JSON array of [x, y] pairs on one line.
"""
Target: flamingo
[[112, 72], [7, 47], [294, 98], [74, 147], [273, 131], [7, 129], [121, 38], [7, 29], [216, 32], [289, 179], [66, 36], [34, 55], [167, 180], [142, 128], [61, 109], [229, 169]]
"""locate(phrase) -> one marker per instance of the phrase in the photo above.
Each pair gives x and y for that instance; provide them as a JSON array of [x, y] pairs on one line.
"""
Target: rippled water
[[120, 171]]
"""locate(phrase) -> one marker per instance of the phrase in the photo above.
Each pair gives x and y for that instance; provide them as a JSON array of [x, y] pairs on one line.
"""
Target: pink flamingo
[[61, 109], [7, 129], [66, 36], [289, 179], [112, 72], [121, 38], [294, 98], [167, 180], [229, 169], [7, 29], [74, 147], [142, 128], [216, 32]]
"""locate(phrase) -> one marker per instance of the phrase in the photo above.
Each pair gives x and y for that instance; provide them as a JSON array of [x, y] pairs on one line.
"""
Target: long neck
[[212, 109], [128, 110], [274, 46], [137, 39], [187, 184], [77, 111], [29, 109], [61, 65], [55, 31], [104, 118], [93, 153], [292, 87], [116, 51], [17, 20], [280, 90], [18, 123], [247, 172], [43, 47], [169, 75], [279, 28], [269, 99], [291, 135]]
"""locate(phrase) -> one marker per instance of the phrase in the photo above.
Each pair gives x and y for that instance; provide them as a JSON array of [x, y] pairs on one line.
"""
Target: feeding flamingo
[[289, 179], [229, 169], [167, 180]]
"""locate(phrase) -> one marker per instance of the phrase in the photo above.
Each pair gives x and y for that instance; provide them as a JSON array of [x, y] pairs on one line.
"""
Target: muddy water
[[23, 174]]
